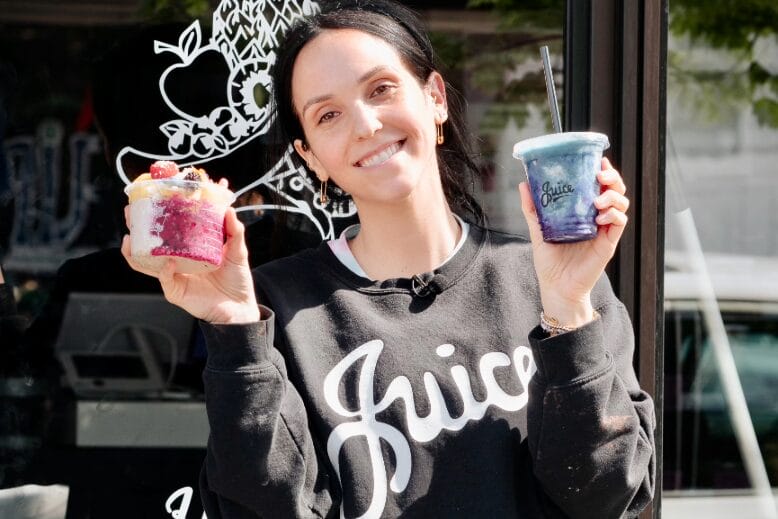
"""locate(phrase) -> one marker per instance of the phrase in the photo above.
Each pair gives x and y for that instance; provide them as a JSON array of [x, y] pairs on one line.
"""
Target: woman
[[401, 370]]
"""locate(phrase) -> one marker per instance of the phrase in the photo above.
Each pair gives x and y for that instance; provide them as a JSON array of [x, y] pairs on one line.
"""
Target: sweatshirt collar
[[342, 250], [423, 284]]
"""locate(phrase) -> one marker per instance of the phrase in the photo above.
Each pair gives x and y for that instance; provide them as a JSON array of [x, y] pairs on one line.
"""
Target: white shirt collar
[[342, 251]]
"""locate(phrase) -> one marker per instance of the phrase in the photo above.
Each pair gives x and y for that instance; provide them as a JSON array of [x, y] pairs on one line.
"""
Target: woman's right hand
[[222, 296]]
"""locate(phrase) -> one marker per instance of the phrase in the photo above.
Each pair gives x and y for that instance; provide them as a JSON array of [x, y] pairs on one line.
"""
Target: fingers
[[613, 229], [173, 285], [611, 225], [609, 178], [611, 198], [612, 203], [224, 182], [612, 216], [127, 253], [126, 247], [235, 250], [530, 214]]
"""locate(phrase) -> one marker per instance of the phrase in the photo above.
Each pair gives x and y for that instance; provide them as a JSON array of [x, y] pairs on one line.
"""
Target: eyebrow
[[363, 78]]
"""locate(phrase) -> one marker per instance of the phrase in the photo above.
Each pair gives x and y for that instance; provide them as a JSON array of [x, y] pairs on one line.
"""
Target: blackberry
[[193, 174]]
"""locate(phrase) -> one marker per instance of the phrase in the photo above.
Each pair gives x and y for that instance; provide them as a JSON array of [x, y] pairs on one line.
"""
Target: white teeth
[[381, 157]]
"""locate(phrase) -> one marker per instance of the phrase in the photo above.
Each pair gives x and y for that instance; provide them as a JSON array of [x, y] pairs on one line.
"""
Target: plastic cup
[[562, 172], [178, 219]]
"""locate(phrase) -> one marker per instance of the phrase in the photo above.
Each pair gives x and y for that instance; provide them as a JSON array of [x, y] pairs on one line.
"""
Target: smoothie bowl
[[177, 214]]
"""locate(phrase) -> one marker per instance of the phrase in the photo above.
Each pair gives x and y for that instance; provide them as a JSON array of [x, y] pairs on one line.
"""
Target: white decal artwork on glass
[[245, 33], [46, 226]]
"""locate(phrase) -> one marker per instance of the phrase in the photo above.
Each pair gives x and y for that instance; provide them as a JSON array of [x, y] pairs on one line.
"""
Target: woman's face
[[369, 123]]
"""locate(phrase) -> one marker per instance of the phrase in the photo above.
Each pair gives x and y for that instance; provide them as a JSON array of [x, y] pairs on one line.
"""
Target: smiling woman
[[341, 128], [372, 130], [402, 368], [396, 370], [412, 48]]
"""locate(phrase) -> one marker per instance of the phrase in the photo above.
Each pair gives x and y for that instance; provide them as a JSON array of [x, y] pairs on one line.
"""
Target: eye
[[327, 116], [383, 89]]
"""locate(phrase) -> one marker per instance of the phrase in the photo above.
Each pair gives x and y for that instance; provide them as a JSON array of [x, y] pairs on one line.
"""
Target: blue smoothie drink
[[562, 172]]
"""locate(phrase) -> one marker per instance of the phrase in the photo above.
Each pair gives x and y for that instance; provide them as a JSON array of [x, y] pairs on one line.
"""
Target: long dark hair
[[402, 29]]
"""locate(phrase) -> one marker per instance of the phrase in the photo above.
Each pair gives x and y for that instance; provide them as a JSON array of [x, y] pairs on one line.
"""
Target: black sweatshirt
[[439, 398]]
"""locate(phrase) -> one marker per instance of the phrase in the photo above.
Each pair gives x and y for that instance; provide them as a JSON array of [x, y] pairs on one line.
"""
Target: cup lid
[[554, 140]]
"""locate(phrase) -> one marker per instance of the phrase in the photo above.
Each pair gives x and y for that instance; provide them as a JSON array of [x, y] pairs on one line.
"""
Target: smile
[[380, 157]]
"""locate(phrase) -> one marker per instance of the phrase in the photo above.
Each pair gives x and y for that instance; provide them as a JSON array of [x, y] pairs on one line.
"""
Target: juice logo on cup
[[555, 193]]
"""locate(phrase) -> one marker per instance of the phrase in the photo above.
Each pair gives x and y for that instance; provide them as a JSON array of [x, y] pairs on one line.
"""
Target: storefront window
[[721, 272], [101, 397], [493, 58]]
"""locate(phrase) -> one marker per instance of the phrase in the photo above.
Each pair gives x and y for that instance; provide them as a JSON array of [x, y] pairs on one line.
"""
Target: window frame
[[615, 83]]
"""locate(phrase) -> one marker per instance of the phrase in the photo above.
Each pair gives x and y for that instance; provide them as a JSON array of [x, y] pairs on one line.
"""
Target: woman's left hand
[[567, 272]]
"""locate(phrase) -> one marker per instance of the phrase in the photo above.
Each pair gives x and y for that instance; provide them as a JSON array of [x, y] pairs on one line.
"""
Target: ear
[[436, 87], [305, 153], [302, 149]]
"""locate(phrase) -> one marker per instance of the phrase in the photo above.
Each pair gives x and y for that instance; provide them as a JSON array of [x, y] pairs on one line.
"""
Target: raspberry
[[163, 169]]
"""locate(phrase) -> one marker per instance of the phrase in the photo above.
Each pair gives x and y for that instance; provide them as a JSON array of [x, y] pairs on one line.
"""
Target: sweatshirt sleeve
[[590, 426], [261, 460]]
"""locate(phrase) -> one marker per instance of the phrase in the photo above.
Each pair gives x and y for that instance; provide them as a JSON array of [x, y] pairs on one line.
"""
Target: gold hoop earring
[[323, 198], [439, 128]]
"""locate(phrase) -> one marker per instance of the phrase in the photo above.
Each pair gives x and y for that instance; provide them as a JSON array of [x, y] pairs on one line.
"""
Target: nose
[[366, 121]]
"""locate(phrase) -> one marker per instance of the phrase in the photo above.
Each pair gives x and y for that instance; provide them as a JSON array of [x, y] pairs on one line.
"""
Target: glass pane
[[101, 398], [721, 271], [493, 59]]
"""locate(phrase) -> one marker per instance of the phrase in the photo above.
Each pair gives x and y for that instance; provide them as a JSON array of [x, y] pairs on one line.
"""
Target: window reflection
[[495, 57], [76, 89], [722, 142]]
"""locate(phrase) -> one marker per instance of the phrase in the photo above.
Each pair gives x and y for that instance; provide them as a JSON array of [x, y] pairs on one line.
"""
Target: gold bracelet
[[551, 325]]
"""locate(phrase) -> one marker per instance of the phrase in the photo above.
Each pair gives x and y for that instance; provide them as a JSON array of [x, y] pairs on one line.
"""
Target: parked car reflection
[[704, 474]]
